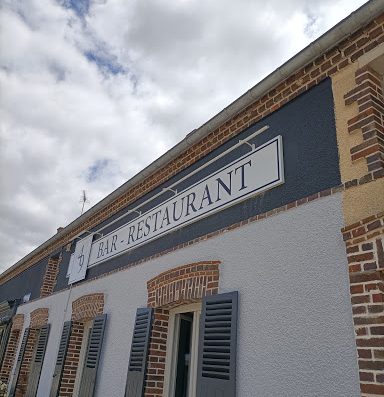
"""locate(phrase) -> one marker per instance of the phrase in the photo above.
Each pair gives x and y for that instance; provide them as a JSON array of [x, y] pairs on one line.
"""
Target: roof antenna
[[83, 199]]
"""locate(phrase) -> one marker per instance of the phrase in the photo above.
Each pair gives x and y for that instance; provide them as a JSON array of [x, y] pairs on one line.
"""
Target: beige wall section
[[362, 201]]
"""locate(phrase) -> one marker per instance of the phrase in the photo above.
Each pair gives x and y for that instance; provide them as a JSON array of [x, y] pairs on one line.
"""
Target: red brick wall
[[177, 286], [365, 252], [156, 357], [50, 277], [325, 65]]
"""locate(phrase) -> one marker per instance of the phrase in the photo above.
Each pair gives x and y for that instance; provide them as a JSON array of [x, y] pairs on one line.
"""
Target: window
[[182, 351]]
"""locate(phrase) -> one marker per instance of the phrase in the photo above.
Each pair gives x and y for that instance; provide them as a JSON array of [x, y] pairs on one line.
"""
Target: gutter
[[328, 40]]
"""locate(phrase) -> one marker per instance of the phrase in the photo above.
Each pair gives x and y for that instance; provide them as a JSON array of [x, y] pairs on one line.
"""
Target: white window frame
[[172, 348]]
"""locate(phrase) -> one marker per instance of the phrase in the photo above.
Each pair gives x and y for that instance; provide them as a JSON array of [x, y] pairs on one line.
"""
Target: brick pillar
[[368, 94], [364, 244], [154, 382], [72, 360], [10, 351], [50, 277]]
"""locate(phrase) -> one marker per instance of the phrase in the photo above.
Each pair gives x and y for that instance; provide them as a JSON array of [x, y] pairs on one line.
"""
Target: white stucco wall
[[295, 333]]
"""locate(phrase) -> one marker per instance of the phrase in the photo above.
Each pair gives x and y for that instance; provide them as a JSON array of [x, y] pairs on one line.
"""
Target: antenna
[[83, 199]]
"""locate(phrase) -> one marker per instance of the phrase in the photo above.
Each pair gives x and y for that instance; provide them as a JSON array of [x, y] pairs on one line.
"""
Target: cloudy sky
[[92, 91]]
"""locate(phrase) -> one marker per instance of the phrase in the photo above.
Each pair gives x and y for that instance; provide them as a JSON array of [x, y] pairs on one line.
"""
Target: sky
[[92, 91]]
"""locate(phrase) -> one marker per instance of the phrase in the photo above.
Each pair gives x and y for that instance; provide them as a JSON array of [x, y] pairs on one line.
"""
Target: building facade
[[246, 261]]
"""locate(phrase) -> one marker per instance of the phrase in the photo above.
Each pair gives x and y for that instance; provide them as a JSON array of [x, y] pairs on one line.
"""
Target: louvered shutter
[[92, 357], [63, 346], [216, 371], [139, 352], [18, 363], [4, 341], [37, 361]]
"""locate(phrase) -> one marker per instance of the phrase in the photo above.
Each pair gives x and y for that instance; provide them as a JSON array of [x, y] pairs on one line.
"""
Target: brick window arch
[[39, 317], [87, 307], [178, 286]]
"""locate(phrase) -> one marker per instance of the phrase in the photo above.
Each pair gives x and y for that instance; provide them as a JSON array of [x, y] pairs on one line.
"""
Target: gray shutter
[[216, 371], [63, 346], [92, 357], [139, 353], [4, 341], [37, 361], [18, 363]]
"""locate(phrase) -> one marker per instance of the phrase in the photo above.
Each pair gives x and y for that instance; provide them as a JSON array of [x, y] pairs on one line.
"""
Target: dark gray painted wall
[[310, 160], [27, 282]]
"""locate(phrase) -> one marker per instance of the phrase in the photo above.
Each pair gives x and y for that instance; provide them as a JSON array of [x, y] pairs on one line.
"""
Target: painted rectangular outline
[[277, 182]]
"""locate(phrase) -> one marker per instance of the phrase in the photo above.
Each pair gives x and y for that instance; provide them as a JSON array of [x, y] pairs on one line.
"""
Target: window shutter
[[37, 363], [18, 363], [92, 357], [4, 341], [64, 341], [216, 371], [139, 352]]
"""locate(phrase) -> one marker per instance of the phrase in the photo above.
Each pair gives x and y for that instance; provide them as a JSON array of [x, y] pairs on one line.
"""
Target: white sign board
[[257, 171], [77, 268]]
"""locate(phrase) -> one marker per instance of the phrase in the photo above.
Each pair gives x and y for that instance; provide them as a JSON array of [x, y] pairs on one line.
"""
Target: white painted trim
[[172, 348]]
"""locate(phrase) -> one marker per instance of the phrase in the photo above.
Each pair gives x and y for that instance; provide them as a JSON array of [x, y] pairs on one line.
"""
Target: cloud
[[93, 91]]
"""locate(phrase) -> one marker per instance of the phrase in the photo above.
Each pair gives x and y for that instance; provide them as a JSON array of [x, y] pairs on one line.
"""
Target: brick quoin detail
[[39, 317], [85, 308], [10, 351], [178, 286], [368, 94], [365, 252], [334, 60], [50, 277]]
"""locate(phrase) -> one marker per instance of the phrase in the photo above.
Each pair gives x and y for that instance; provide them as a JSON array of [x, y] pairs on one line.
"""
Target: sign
[[257, 171], [79, 260]]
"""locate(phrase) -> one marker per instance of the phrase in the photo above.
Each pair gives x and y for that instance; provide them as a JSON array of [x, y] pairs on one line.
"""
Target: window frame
[[172, 348]]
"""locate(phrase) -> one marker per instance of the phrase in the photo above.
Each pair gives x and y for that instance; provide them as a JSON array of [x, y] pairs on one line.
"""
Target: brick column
[[72, 358], [364, 244], [368, 94], [50, 277], [10, 352]]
